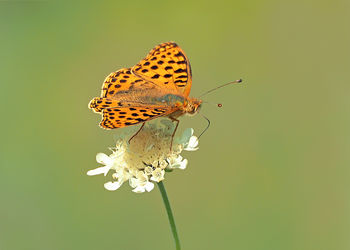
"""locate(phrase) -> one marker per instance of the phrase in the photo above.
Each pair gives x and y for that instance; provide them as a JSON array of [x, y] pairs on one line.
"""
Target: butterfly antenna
[[237, 81], [216, 104], [206, 127]]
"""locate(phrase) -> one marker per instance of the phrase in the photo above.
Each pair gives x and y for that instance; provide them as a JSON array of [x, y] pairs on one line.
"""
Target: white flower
[[146, 158], [158, 175], [140, 183], [148, 170], [177, 162]]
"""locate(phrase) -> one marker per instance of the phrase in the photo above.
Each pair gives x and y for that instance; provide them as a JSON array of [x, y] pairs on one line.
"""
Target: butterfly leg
[[172, 136], [138, 131]]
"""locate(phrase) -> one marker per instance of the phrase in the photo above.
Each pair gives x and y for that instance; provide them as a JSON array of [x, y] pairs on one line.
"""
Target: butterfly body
[[158, 86]]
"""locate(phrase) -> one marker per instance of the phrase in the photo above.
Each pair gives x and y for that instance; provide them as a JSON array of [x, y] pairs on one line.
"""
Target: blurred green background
[[271, 173]]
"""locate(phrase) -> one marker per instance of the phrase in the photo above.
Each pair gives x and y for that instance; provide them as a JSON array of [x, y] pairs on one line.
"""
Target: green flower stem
[[170, 214]]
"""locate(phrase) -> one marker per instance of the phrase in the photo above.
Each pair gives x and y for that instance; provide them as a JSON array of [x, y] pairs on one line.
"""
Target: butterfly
[[158, 86]]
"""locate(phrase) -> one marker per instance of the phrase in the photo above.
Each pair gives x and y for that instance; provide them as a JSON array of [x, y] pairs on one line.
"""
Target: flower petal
[[112, 186], [149, 186], [133, 182], [186, 135], [139, 189], [103, 159], [192, 144], [101, 170], [183, 164]]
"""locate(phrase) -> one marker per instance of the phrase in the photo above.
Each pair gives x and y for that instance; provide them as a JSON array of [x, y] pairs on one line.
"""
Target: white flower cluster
[[146, 159]]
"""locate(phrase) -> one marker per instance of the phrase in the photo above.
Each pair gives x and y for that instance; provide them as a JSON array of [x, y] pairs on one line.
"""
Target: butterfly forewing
[[167, 66]]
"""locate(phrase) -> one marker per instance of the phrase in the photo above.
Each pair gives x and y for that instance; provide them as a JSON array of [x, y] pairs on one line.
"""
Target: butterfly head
[[192, 106]]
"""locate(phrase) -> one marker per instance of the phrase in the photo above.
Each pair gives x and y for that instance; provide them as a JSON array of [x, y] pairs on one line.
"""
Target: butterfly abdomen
[[169, 99]]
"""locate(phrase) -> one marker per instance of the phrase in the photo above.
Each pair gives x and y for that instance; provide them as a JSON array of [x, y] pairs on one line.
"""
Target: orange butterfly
[[159, 85]]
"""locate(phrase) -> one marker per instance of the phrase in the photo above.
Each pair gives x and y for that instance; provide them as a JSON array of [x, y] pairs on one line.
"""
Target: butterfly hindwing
[[122, 117], [100, 103], [167, 66]]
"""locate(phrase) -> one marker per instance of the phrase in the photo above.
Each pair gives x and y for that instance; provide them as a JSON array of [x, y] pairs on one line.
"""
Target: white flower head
[[147, 157]]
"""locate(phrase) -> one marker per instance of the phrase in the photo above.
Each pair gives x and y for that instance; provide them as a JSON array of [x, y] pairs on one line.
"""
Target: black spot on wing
[[180, 71], [182, 76], [179, 54], [177, 81]]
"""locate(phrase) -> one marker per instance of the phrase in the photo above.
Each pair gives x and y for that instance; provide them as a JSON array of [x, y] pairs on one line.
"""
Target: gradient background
[[271, 173]]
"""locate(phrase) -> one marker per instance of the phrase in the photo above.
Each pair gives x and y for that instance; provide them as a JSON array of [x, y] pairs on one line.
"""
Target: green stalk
[[170, 215]]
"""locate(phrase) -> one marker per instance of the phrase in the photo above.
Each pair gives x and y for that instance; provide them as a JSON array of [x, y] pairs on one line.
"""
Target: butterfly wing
[[123, 116], [132, 96], [122, 102], [120, 88], [123, 81], [168, 67]]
